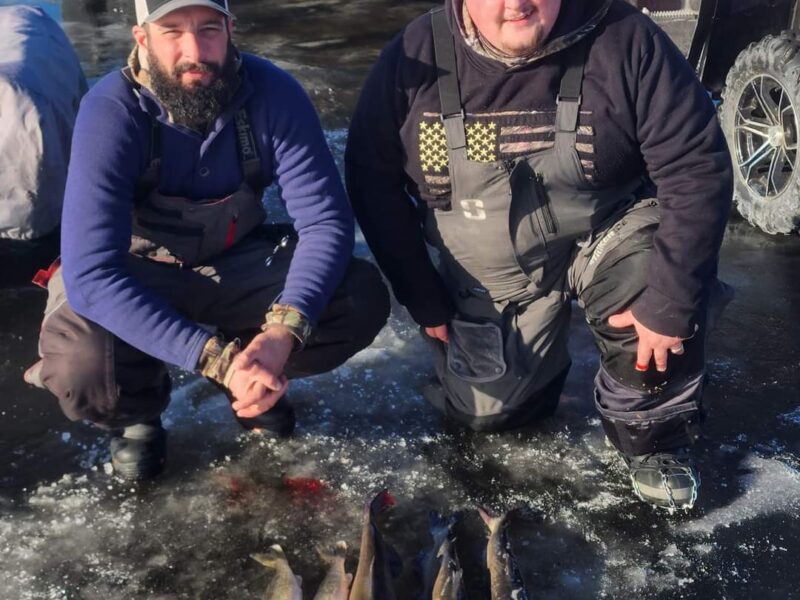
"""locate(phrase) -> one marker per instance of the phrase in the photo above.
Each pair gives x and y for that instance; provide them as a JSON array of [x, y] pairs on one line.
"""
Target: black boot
[[665, 479], [139, 451], [278, 421]]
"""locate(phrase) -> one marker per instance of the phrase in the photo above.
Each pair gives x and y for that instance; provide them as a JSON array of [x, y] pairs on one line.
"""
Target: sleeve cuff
[[664, 315]]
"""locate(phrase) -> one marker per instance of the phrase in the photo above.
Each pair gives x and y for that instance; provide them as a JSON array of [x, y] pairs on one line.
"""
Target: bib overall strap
[[150, 178], [447, 80], [568, 102], [248, 150]]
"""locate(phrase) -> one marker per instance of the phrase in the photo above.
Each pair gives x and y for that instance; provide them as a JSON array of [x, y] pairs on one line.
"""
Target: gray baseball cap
[[148, 11]]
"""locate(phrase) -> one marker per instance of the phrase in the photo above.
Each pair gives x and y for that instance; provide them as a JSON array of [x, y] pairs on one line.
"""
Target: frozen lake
[[69, 530]]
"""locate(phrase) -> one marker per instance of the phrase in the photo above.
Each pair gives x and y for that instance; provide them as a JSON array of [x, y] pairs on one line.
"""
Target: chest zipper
[[230, 237], [550, 222]]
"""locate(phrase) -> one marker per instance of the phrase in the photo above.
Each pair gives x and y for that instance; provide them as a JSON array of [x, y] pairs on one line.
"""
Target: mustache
[[202, 67], [520, 15]]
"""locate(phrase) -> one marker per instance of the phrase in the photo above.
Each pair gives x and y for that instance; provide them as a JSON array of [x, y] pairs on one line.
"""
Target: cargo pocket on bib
[[475, 351]]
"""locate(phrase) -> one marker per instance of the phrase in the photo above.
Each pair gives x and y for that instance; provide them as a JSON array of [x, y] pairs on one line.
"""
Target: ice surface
[[87, 534]]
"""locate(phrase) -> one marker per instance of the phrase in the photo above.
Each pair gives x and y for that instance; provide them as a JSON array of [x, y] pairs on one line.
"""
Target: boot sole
[[138, 471]]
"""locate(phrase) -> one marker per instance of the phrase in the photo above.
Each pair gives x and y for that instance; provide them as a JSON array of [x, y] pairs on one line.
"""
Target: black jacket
[[644, 114]]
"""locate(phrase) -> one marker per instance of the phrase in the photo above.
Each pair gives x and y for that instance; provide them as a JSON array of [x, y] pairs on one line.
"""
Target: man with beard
[[548, 151], [165, 258]]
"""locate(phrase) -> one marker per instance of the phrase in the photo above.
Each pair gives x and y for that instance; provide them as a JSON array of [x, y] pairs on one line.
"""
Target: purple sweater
[[110, 151]]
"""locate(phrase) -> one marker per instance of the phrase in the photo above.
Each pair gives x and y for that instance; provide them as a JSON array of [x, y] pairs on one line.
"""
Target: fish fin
[[445, 546]]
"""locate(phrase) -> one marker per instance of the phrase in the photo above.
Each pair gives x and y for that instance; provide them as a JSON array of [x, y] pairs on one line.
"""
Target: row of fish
[[378, 565]]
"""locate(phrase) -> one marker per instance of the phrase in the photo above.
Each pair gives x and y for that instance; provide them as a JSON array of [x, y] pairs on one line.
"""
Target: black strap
[[569, 93], [246, 141], [155, 141], [447, 81], [444, 46]]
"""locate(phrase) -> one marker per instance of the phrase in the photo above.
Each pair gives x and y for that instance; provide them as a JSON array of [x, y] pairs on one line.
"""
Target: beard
[[198, 105]]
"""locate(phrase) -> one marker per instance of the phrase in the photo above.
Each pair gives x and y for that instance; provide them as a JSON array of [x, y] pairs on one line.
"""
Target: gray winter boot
[[139, 451], [665, 479]]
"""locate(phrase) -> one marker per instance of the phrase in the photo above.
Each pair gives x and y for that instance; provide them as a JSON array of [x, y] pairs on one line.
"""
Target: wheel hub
[[775, 136], [766, 136]]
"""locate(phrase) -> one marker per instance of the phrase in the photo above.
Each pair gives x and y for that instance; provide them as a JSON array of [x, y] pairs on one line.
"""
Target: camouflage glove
[[290, 318], [216, 359]]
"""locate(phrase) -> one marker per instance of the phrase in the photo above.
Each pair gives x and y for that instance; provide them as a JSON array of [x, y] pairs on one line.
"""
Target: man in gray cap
[[163, 231]]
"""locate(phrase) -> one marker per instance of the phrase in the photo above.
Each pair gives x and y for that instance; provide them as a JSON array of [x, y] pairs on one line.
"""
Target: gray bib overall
[[507, 243]]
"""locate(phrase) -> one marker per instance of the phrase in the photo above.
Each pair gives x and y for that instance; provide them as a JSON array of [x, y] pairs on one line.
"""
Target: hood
[[575, 21], [139, 69]]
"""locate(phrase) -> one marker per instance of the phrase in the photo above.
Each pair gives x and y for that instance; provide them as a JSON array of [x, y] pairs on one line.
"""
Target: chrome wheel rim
[[765, 142]]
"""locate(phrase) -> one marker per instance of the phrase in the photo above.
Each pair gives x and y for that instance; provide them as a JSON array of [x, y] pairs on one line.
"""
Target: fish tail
[[436, 522], [271, 557], [492, 521], [329, 554]]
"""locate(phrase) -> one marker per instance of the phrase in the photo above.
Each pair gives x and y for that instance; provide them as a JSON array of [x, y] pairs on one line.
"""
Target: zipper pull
[[230, 238]]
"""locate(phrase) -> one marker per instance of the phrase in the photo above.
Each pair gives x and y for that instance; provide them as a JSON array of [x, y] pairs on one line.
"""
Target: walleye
[[336, 584], [373, 580], [506, 581], [285, 585], [448, 584]]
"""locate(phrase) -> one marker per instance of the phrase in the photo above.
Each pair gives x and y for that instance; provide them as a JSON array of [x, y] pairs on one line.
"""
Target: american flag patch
[[496, 136]]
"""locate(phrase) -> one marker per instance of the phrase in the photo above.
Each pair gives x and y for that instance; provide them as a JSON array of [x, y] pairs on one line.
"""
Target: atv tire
[[759, 116]]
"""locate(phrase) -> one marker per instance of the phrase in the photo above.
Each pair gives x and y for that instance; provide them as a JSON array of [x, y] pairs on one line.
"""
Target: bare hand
[[651, 344], [251, 395], [258, 375], [439, 333]]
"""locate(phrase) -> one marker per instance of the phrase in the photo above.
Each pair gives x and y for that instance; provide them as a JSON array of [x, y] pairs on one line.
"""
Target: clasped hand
[[258, 381]]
